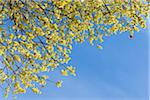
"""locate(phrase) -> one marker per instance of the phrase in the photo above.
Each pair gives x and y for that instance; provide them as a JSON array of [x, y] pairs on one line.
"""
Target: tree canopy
[[36, 36]]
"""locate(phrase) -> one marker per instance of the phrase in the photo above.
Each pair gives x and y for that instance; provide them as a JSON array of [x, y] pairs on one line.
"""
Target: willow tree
[[36, 36]]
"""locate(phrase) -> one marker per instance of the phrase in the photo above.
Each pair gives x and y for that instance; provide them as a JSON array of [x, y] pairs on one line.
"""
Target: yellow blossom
[[59, 83], [64, 72], [36, 90], [17, 58]]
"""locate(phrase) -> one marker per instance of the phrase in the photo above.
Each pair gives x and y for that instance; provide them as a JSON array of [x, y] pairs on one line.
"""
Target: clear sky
[[118, 72]]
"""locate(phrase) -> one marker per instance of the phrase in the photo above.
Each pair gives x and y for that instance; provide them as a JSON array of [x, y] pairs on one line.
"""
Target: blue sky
[[118, 72]]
